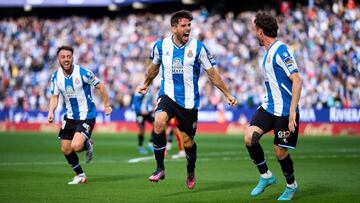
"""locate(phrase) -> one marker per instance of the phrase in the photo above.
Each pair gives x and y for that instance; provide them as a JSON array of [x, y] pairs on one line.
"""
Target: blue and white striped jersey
[[278, 64], [76, 90], [180, 69]]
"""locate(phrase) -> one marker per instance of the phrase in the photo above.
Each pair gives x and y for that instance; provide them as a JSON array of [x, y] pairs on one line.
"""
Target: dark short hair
[[267, 23], [175, 17], [64, 47]]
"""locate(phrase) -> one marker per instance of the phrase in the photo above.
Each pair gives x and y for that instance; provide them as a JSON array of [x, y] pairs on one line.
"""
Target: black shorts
[[140, 119], [69, 127], [187, 118], [267, 122]]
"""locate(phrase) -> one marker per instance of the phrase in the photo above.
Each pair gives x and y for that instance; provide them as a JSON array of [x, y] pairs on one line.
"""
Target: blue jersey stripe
[[91, 113], [178, 78], [270, 107], [73, 101], [53, 83], [281, 78], [196, 74], [159, 46]]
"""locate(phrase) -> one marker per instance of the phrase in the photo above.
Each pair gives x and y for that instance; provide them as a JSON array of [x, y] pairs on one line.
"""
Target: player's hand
[[292, 121], [107, 110], [142, 89], [50, 117], [231, 100]]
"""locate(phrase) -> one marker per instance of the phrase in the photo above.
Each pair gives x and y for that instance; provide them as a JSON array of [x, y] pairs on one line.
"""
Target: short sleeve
[[54, 89], [89, 77], [286, 60], [155, 54], [206, 59]]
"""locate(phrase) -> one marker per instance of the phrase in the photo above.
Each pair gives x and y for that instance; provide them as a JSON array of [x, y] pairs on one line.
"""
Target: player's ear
[[173, 29]]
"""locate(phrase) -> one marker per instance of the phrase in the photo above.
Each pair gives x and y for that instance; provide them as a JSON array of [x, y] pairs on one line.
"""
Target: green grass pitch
[[32, 169]]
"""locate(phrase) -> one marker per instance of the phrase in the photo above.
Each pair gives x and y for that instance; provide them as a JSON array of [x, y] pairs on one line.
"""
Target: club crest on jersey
[[69, 91], [77, 81], [190, 54], [177, 67]]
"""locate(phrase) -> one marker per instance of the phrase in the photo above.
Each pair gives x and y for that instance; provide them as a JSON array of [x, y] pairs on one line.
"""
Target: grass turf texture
[[32, 169]]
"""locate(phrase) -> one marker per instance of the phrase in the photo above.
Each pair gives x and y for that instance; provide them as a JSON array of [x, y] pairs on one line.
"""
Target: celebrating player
[[74, 83]]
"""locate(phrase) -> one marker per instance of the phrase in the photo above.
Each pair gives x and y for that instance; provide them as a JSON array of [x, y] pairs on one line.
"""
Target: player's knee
[[159, 126], [77, 146], [188, 142], [66, 149], [280, 152], [251, 138]]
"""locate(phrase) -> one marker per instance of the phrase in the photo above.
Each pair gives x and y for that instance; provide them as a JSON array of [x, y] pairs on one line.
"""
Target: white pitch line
[[140, 159]]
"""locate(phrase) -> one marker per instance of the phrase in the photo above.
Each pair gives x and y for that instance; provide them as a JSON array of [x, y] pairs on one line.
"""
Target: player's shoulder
[[159, 42], [282, 49], [82, 70], [55, 74]]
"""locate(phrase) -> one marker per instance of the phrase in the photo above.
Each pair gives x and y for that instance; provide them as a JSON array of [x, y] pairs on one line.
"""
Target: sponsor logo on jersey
[[69, 91], [177, 67]]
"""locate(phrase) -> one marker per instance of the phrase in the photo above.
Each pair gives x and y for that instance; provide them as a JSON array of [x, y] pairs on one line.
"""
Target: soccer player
[[143, 105], [74, 83], [180, 58], [279, 111]]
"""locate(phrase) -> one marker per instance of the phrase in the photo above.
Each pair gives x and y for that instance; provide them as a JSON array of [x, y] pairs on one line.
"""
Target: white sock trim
[[267, 175]]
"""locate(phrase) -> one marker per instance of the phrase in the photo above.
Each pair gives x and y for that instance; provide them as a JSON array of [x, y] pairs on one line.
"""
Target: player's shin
[[191, 157], [287, 167], [257, 155], [73, 160], [159, 149]]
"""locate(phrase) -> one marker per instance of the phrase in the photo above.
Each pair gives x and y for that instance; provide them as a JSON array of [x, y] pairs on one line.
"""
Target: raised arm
[[215, 78]]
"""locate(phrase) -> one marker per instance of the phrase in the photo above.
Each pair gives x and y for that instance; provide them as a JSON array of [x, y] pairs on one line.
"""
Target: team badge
[[77, 81], [190, 54]]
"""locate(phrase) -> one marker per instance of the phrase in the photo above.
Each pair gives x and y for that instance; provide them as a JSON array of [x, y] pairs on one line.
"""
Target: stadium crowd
[[325, 41]]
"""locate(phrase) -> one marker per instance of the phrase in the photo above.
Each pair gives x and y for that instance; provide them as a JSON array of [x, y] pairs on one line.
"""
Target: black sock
[[140, 140], [73, 160], [159, 149], [287, 167], [191, 158], [257, 155]]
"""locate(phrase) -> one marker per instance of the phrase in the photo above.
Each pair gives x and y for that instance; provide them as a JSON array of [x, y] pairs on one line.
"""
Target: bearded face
[[182, 30]]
